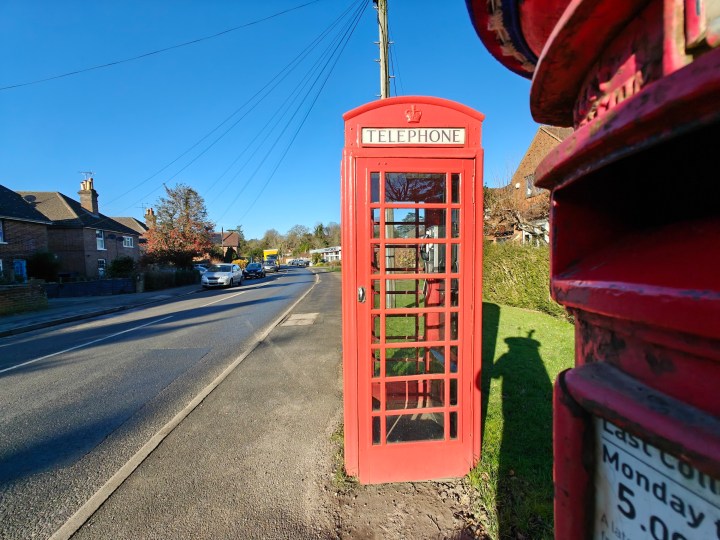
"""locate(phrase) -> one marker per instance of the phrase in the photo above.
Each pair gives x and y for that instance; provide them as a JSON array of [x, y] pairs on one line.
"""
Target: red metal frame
[[635, 236], [379, 405], [629, 257]]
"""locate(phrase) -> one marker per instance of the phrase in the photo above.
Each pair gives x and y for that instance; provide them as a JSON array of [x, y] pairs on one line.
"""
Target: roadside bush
[[43, 265], [122, 267], [519, 275]]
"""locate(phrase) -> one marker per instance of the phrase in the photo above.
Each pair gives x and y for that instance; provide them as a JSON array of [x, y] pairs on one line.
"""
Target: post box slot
[[621, 235]]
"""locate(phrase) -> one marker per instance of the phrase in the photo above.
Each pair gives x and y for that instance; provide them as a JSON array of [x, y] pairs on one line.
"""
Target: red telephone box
[[635, 233], [412, 269]]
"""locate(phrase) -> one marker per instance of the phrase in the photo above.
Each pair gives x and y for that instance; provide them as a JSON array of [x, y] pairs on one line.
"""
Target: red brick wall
[[22, 239], [17, 298], [77, 250]]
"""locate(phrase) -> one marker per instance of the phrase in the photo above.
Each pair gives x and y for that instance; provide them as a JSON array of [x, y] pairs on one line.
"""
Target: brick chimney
[[88, 196], [150, 218]]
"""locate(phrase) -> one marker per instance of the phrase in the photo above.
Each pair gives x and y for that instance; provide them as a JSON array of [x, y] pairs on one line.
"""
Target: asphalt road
[[77, 401]]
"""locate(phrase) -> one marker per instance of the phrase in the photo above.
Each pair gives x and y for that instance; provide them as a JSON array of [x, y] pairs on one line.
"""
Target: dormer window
[[128, 241], [530, 189], [100, 238]]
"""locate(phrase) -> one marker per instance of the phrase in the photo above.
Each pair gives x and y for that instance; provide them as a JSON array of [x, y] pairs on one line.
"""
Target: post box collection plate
[[645, 492]]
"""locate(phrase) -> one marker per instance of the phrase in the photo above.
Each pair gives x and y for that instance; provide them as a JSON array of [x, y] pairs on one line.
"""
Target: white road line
[[84, 513], [84, 344], [224, 298]]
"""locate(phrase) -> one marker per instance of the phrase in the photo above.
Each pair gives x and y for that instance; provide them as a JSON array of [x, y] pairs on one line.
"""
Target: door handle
[[361, 294]]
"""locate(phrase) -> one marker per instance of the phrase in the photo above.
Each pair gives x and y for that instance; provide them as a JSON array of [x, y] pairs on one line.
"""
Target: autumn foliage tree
[[182, 229]]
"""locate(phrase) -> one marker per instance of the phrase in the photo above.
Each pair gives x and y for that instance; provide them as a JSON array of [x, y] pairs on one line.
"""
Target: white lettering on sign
[[413, 136], [644, 492]]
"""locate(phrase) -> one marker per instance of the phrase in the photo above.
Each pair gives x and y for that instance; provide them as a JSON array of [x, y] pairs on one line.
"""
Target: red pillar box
[[635, 228], [412, 273]]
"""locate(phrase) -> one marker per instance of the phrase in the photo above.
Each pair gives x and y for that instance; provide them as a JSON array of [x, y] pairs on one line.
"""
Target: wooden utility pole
[[381, 6]]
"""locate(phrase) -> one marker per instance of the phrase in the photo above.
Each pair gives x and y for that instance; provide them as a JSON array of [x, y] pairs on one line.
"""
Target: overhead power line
[[258, 97], [331, 63], [291, 99], [158, 51]]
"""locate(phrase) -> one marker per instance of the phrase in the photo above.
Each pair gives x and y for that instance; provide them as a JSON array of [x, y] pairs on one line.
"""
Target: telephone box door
[[415, 314]]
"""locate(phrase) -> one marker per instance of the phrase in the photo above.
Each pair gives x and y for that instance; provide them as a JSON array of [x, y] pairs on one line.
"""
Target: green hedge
[[519, 275], [156, 280]]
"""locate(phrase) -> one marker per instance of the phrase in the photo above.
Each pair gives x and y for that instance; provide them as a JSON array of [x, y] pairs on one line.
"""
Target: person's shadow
[[526, 449]]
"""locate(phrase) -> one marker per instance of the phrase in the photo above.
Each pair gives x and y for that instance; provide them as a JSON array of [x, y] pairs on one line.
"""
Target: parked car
[[269, 266], [222, 275], [254, 270]]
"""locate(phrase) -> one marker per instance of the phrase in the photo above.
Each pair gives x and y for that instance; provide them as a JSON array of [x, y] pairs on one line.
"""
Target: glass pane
[[415, 187], [375, 328], [374, 258], [454, 260], [414, 293], [375, 294], [434, 257], [375, 220], [435, 223], [376, 396], [454, 292], [374, 187], [415, 427], [405, 222], [455, 182], [415, 223], [422, 394], [403, 259], [410, 361], [454, 325], [455, 222], [376, 355], [453, 425], [376, 430], [415, 327], [453, 359], [434, 326], [453, 392]]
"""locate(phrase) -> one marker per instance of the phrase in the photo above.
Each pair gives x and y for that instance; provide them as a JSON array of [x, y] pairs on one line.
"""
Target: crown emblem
[[413, 115]]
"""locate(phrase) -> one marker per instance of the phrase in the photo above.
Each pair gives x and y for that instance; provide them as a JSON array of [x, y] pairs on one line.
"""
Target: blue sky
[[130, 121]]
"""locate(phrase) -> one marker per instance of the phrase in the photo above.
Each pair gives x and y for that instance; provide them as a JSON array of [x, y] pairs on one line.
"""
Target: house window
[[2, 233], [100, 237], [2, 275], [128, 241], [530, 189], [101, 267]]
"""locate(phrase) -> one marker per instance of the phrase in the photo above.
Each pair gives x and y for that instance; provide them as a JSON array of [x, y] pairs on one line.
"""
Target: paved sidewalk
[[63, 310]]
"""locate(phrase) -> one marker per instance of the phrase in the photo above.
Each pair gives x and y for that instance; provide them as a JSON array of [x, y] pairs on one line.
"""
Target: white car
[[222, 275]]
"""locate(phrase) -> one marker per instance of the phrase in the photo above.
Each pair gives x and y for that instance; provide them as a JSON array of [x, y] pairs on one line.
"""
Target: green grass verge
[[523, 352]]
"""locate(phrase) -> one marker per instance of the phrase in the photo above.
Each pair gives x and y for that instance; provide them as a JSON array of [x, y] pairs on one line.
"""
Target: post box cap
[[515, 31], [581, 34]]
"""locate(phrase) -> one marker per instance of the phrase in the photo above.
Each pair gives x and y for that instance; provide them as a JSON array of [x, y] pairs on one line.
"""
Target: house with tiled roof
[[138, 226], [226, 241], [524, 213], [23, 231], [84, 240]]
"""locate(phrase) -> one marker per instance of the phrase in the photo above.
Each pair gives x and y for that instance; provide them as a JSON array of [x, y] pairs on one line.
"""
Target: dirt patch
[[422, 510]]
